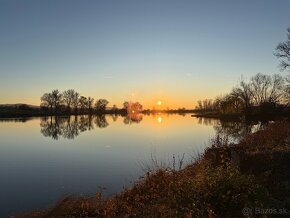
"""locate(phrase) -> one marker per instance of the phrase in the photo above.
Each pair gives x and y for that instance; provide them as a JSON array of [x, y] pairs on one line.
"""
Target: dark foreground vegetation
[[248, 179]]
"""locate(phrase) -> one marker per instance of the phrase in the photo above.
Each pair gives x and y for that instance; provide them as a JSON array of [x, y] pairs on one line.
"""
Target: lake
[[44, 159]]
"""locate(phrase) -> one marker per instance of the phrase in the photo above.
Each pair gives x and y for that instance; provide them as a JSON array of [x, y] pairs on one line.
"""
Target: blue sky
[[175, 50]]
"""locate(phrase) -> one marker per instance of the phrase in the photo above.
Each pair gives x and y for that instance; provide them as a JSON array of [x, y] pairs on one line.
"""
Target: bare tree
[[57, 99], [287, 90], [199, 105], [83, 102], [90, 102], [245, 92], [236, 101], [47, 101], [277, 88], [266, 88], [52, 100], [101, 104], [223, 104], [75, 101], [205, 105], [260, 84], [283, 52], [68, 97]]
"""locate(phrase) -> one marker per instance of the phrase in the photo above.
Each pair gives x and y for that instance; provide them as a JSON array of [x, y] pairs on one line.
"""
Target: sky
[[176, 51]]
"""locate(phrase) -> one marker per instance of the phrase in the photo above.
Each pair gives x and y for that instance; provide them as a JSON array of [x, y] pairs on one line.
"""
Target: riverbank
[[242, 116], [222, 182]]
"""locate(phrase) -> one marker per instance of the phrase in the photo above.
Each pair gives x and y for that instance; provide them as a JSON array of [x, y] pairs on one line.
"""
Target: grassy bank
[[226, 179]]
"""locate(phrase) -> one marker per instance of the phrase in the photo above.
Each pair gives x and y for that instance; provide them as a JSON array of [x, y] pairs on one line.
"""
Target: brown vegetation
[[206, 188]]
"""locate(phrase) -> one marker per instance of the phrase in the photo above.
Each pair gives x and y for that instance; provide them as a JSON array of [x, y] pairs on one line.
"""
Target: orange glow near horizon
[[168, 103], [148, 102]]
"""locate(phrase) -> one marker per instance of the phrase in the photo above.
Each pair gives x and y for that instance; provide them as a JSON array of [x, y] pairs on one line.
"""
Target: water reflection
[[66, 127], [15, 120], [55, 169], [133, 118], [234, 130], [101, 121], [159, 120], [71, 127], [208, 121]]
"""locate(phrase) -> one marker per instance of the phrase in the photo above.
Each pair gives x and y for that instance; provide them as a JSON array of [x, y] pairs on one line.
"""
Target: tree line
[[71, 102], [265, 92], [261, 94]]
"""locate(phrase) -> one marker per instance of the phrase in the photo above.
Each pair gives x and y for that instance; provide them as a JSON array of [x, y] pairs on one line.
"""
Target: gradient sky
[[178, 51]]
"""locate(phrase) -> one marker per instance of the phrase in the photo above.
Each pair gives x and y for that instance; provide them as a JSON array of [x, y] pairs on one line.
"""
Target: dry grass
[[200, 189]]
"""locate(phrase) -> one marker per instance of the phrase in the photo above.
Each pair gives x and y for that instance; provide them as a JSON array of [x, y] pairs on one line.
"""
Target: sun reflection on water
[[159, 119]]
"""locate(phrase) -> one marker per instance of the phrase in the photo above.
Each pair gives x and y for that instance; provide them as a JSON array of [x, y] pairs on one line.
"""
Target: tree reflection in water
[[50, 127], [66, 127], [114, 117], [71, 127], [133, 118], [235, 131], [207, 121], [101, 121]]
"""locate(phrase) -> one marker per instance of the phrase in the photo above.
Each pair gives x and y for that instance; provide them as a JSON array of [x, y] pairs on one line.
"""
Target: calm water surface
[[43, 159]]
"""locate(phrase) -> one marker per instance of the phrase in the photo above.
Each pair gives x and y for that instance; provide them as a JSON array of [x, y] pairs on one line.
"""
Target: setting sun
[[159, 102]]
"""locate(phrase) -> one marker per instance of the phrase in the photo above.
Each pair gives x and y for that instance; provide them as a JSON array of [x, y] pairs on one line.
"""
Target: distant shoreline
[[24, 110]]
